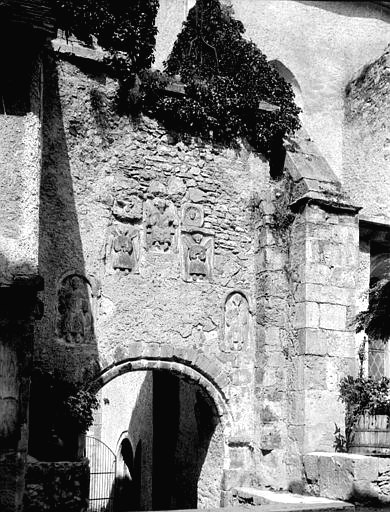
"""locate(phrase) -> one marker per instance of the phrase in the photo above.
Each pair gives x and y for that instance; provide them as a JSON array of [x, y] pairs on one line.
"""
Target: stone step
[[271, 501]]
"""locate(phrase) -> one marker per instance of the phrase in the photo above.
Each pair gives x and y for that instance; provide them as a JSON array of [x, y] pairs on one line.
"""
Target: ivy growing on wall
[[225, 77], [126, 29]]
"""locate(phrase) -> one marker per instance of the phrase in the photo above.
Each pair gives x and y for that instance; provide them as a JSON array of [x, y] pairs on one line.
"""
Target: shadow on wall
[[65, 345], [350, 9], [164, 470]]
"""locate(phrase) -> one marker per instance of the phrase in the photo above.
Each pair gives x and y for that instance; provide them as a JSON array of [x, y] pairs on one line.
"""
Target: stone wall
[[57, 486], [366, 145], [20, 127], [257, 309], [103, 176], [322, 44], [126, 408]]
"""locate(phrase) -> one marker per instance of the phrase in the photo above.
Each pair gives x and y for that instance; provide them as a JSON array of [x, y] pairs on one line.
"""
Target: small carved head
[[75, 282], [192, 213], [160, 204], [197, 237]]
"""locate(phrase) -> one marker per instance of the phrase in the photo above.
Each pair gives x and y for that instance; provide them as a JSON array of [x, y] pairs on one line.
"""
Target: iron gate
[[102, 461]]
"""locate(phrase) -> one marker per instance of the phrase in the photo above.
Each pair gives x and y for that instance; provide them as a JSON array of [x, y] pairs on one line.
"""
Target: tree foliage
[[226, 76]]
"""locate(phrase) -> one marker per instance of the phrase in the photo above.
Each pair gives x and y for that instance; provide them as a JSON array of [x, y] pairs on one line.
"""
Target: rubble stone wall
[[258, 316], [56, 486], [103, 178]]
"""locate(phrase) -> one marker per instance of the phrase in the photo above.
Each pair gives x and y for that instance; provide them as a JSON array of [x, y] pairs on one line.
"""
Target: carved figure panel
[[122, 249], [75, 322], [192, 215], [198, 255], [127, 207], [160, 225], [236, 321]]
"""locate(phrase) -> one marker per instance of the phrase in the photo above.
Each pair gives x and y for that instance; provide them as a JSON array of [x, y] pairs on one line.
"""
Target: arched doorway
[[169, 437]]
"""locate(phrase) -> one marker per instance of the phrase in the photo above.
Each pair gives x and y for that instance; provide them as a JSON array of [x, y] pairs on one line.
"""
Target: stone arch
[[181, 368], [287, 74], [210, 391]]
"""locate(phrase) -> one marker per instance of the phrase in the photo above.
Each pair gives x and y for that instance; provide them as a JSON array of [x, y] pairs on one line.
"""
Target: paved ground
[[361, 508]]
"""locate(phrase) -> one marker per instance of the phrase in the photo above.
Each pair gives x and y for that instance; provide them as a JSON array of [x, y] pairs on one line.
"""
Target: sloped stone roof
[[313, 177]]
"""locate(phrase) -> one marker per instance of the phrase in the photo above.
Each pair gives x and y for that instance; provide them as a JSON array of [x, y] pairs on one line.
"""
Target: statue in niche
[[127, 207], [236, 321], [198, 255], [161, 224], [192, 215], [122, 250], [75, 322]]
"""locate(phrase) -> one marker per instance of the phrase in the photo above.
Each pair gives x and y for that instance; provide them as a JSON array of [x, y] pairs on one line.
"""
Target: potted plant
[[366, 399], [367, 403]]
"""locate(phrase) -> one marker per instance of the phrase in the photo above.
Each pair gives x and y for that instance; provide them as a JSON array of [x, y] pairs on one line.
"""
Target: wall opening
[[168, 437]]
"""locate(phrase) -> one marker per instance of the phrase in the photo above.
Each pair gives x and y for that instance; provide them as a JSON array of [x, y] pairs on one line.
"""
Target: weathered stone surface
[[348, 476], [270, 500]]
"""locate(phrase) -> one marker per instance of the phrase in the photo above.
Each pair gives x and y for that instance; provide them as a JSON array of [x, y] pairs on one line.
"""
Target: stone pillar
[[324, 259], [19, 307]]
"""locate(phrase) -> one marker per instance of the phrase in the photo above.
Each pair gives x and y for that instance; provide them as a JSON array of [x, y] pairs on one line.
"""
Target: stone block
[[333, 317], [233, 478], [277, 501], [315, 372], [349, 476], [307, 315], [312, 341], [324, 293]]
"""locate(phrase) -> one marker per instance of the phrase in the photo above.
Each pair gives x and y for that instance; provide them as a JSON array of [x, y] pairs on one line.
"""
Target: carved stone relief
[[160, 225], [236, 321], [75, 322], [192, 215], [198, 255], [127, 207], [122, 248]]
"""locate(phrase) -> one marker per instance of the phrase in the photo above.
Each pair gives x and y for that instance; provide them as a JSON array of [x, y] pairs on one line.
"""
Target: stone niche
[[74, 310], [236, 321], [192, 216]]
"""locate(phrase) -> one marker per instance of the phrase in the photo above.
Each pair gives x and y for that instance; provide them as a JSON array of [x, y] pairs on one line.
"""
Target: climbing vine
[[226, 77], [231, 91], [125, 29]]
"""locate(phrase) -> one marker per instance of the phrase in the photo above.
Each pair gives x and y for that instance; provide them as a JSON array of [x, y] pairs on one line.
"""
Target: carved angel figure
[[236, 321], [122, 248], [161, 224], [197, 256]]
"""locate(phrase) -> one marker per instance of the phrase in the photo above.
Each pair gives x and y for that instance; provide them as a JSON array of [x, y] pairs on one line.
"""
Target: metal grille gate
[[102, 461]]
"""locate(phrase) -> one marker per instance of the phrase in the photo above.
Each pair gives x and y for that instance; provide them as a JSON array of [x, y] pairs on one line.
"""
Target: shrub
[[362, 395], [226, 77]]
